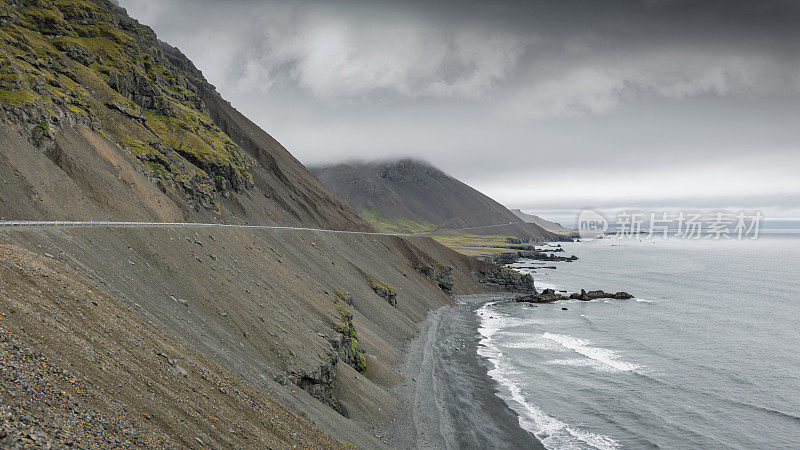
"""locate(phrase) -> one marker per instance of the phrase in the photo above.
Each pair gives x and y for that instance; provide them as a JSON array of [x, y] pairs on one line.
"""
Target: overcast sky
[[544, 105]]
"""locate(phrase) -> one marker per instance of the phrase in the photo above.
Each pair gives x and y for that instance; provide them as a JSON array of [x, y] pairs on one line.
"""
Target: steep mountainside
[[412, 196], [184, 336], [68, 63], [553, 227]]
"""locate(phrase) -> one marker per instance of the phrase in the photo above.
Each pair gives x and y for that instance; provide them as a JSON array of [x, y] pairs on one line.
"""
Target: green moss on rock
[[81, 62], [348, 348], [16, 98]]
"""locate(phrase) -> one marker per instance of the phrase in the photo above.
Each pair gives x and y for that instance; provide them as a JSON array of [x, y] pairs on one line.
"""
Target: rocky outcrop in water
[[535, 254], [550, 296], [592, 295]]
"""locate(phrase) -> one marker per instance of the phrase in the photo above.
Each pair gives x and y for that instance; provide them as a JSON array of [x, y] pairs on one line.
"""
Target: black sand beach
[[449, 400]]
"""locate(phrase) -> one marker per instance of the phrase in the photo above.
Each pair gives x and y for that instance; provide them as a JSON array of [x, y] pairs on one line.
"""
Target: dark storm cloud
[[494, 92]]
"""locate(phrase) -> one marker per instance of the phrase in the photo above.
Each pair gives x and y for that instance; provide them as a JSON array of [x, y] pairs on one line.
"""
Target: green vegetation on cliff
[[80, 62], [349, 350]]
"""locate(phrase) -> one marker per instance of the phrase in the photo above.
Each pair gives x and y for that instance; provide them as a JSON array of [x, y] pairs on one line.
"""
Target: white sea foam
[[554, 433], [608, 359], [578, 362], [536, 344]]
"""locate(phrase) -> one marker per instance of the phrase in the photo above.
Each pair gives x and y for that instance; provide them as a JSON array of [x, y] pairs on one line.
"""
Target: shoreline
[[448, 399]]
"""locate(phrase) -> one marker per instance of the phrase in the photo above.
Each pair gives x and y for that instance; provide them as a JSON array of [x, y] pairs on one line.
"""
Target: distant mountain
[[412, 196], [553, 227]]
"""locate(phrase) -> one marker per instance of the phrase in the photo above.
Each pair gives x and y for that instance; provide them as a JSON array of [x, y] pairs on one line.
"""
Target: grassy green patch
[[478, 245], [400, 225], [16, 98]]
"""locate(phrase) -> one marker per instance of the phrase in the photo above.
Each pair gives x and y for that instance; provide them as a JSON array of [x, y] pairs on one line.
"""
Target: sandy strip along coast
[[448, 399]]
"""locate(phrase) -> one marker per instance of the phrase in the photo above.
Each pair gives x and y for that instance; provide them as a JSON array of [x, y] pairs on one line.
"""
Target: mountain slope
[[412, 192], [68, 63], [553, 227]]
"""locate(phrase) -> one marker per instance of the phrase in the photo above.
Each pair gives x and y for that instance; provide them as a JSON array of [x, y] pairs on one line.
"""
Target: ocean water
[[706, 356]]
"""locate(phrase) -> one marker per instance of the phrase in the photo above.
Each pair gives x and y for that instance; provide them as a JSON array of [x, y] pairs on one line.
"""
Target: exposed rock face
[[507, 280], [442, 275], [346, 346], [385, 291], [319, 383]]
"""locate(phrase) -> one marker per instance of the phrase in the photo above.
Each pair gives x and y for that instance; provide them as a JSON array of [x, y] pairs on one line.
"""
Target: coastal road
[[85, 224], [111, 224]]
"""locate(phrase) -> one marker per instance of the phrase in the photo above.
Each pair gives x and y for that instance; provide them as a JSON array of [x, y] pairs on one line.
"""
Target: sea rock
[[535, 254], [592, 295], [550, 296], [546, 296]]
